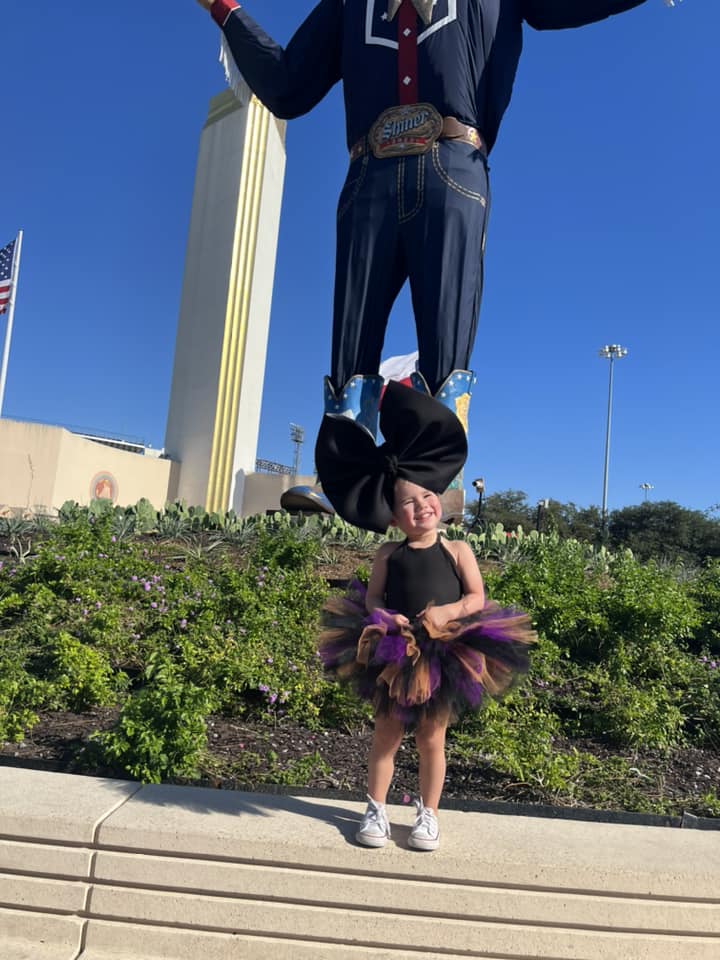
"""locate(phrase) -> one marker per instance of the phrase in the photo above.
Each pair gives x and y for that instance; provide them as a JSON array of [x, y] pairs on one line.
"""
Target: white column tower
[[217, 383]]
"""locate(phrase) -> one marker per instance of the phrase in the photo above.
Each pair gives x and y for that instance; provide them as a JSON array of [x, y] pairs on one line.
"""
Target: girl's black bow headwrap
[[425, 443]]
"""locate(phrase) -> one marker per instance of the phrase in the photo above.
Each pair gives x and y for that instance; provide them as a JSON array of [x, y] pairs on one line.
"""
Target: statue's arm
[[289, 81], [558, 14]]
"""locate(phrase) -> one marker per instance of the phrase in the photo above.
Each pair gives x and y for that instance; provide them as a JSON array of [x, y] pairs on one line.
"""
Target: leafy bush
[[167, 630], [161, 730]]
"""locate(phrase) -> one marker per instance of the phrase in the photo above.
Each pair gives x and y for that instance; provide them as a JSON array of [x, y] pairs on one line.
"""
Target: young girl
[[422, 644]]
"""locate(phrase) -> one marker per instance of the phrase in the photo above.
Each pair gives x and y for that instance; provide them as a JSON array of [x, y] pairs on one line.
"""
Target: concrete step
[[117, 941], [26, 935], [391, 894], [101, 870]]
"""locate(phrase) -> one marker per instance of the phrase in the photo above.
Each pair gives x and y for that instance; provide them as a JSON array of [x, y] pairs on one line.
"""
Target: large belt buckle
[[405, 131]]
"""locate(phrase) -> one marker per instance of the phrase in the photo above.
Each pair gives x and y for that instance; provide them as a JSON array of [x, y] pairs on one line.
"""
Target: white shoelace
[[426, 820]]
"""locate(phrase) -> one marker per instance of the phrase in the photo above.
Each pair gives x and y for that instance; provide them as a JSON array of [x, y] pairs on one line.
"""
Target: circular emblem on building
[[104, 486]]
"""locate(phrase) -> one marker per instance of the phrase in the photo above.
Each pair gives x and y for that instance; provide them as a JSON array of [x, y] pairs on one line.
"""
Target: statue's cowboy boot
[[454, 393], [358, 400]]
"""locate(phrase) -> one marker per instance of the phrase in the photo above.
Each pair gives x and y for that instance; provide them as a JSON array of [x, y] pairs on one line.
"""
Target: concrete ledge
[[57, 806], [139, 873], [476, 847]]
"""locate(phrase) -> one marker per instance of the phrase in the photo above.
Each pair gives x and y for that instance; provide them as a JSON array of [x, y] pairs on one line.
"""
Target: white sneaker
[[425, 834], [374, 828]]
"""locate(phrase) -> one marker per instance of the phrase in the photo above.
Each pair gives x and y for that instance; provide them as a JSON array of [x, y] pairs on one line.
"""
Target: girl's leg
[[387, 738], [430, 741]]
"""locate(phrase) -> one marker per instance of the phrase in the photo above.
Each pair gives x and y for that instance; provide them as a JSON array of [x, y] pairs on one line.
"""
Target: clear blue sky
[[604, 229]]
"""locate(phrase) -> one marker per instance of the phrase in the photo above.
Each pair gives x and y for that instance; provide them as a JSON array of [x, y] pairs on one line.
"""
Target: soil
[[254, 756]]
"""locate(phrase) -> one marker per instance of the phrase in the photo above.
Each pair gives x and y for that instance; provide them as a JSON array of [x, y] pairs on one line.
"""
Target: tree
[[569, 520], [665, 530], [508, 507]]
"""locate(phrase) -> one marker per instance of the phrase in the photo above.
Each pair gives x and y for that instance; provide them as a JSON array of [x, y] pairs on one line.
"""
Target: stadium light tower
[[646, 487], [297, 435], [611, 352]]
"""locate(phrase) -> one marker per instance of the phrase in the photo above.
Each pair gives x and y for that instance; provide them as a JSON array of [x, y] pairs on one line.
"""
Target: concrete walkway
[[108, 870]]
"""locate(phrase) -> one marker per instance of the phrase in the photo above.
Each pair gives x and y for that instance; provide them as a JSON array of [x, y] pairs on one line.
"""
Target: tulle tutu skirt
[[417, 671]]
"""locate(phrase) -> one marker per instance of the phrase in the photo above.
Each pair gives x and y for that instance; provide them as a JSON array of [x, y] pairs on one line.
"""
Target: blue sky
[[604, 229]]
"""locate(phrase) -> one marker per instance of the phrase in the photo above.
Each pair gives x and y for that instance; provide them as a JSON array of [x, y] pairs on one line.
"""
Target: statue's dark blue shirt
[[467, 56]]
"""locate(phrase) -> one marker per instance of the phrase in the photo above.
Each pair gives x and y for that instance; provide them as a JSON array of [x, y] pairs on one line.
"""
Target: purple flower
[[146, 587], [183, 623], [272, 698], [154, 605], [133, 578], [97, 605], [113, 539], [269, 660], [263, 687]]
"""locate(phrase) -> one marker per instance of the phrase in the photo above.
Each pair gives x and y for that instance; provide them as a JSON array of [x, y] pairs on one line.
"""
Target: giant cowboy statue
[[426, 84]]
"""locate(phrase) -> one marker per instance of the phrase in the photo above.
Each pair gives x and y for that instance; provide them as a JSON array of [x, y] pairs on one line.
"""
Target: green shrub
[[161, 731], [517, 736], [81, 677], [704, 589]]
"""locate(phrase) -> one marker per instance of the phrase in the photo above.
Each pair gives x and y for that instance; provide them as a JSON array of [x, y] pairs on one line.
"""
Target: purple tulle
[[390, 649], [409, 673]]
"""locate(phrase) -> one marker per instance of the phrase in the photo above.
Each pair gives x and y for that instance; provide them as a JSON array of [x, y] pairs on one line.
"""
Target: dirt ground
[[254, 755]]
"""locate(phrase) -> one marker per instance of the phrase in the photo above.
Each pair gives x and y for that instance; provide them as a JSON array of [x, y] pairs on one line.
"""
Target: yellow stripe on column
[[238, 307], [246, 287]]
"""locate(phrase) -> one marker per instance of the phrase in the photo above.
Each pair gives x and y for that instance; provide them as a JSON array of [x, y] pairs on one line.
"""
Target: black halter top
[[416, 577]]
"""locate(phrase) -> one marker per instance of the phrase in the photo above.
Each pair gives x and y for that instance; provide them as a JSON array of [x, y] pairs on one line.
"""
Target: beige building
[[41, 467]]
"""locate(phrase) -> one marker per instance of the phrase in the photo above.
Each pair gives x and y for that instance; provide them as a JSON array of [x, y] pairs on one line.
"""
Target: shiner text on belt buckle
[[405, 131]]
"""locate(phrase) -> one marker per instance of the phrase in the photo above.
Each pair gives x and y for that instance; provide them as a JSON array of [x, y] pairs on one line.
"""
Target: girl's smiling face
[[416, 510]]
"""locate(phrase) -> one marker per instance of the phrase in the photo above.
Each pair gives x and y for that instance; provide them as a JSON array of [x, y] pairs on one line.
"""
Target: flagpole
[[11, 310]]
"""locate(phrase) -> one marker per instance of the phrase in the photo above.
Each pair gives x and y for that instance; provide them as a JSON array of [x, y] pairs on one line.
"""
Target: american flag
[[7, 255]]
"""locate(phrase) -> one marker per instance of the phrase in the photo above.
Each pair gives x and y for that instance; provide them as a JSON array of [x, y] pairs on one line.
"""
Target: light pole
[[479, 485], [297, 435], [611, 352], [647, 487], [542, 506]]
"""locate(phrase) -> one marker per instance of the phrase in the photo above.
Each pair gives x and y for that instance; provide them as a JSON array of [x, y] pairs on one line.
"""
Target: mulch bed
[[254, 755]]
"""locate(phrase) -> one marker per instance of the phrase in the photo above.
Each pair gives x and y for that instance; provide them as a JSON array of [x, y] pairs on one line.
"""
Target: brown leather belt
[[452, 129]]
